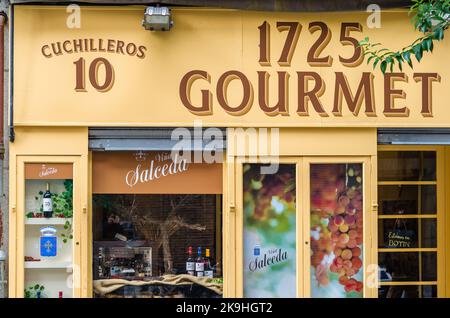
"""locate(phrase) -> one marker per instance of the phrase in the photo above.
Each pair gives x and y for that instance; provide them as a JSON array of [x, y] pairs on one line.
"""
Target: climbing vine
[[430, 17]]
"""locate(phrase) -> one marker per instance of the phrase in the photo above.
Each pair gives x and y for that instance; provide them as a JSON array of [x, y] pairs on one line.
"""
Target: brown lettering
[[141, 52], [247, 96], [390, 94], [64, 45], [313, 58], [111, 46], [312, 95], [119, 47], [185, 93], [427, 80], [47, 55], [283, 97], [364, 92], [78, 45]]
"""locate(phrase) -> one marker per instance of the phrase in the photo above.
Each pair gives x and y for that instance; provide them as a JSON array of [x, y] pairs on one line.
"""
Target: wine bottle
[[190, 262], [209, 269], [47, 204], [199, 263]]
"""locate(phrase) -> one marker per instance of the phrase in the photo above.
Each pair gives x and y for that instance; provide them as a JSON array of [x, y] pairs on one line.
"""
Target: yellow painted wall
[[146, 90]]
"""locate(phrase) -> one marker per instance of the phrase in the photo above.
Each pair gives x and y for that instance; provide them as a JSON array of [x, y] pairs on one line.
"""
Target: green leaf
[[407, 57], [36, 287], [376, 62], [418, 51], [383, 66], [438, 34]]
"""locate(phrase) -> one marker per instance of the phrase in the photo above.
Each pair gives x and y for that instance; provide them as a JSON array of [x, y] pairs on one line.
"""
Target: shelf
[[46, 221], [47, 265]]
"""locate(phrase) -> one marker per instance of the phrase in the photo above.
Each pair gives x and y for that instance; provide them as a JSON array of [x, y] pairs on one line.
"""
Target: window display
[[48, 230], [407, 224], [336, 230], [148, 240], [155, 233], [270, 232]]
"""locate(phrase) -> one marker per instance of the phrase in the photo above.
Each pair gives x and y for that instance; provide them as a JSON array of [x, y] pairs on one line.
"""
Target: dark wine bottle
[[47, 203], [190, 262], [199, 264]]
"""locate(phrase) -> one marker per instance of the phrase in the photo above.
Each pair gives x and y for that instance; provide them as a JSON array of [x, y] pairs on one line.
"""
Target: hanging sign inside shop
[[245, 69], [399, 238]]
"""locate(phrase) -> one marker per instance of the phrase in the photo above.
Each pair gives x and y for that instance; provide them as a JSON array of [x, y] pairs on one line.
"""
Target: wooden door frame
[[17, 223]]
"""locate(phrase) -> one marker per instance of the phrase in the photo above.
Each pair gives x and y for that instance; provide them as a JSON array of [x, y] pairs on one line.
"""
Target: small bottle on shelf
[[199, 263], [190, 262], [209, 269], [101, 271], [47, 203], [60, 294]]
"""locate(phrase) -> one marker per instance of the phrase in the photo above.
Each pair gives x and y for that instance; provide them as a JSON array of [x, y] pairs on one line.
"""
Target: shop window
[[407, 224], [269, 232], [48, 244], [336, 217], [153, 245]]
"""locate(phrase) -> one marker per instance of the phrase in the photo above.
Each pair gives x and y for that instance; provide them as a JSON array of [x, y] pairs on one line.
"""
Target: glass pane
[[428, 199], [407, 266], [151, 240], [429, 233], [269, 232], [404, 199], [429, 291], [408, 291], [48, 230], [404, 233], [336, 230], [407, 166], [429, 266]]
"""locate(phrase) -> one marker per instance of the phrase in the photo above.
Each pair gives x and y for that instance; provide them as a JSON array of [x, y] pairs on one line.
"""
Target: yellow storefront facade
[[348, 212]]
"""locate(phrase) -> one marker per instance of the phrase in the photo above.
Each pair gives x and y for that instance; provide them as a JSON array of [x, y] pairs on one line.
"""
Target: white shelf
[[46, 221], [47, 265]]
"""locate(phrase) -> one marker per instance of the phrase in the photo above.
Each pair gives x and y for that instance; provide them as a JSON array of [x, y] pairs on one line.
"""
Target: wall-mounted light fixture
[[157, 19]]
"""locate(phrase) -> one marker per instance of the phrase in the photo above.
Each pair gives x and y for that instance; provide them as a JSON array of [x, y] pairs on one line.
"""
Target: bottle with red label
[[190, 262]]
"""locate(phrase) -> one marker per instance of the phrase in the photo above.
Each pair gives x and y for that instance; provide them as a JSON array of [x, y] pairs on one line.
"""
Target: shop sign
[[153, 172], [246, 68], [48, 171], [161, 166]]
